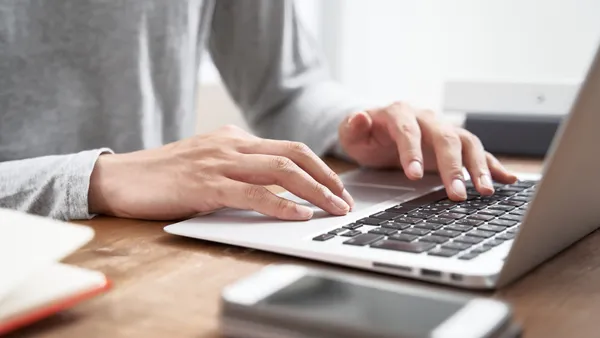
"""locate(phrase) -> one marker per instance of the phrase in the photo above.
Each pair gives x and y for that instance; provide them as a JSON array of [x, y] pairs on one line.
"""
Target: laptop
[[411, 229]]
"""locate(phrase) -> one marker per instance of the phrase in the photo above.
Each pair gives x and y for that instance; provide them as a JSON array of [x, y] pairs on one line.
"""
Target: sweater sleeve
[[53, 186], [276, 74]]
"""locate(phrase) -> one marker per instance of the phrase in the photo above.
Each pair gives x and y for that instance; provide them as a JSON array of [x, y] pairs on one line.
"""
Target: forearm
[[53, 186]]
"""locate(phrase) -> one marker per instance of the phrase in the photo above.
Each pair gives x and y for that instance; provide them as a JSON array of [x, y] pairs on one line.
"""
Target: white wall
[[406, 49]]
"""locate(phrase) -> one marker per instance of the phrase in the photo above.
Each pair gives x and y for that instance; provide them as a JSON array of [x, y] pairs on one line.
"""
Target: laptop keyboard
[[434, 225]]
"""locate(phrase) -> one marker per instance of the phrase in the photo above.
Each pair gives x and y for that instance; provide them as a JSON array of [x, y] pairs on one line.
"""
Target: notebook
[[34, 283]]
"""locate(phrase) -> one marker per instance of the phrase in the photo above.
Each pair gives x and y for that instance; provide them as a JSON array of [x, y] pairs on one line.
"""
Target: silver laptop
[[411, 229]]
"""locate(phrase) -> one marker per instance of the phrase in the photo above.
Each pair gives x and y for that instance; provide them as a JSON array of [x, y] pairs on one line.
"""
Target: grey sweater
[[82, 77]]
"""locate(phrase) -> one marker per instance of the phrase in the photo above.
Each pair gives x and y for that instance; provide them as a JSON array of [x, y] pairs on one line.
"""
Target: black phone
[[296, 301]]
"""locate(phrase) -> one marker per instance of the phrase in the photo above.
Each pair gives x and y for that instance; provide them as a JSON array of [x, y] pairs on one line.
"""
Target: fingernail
[[339, 203], [351, 118], [415, 169], [303, 211], [486, 181], [348, 198], [459, 188]]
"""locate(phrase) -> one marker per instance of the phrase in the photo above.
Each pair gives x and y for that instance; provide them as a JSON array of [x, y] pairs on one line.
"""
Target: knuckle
[[230, 128], [335, 180], [319, 189], [408, 130], [400, 105], [448, 137], [282, 164], [283, 205], [255, 192], [298, 147]]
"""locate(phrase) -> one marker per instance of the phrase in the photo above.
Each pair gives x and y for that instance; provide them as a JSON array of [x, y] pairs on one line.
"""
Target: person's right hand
[[225, 168]]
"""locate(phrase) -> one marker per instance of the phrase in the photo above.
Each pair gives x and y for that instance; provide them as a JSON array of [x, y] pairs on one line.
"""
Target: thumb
[[356, 128]]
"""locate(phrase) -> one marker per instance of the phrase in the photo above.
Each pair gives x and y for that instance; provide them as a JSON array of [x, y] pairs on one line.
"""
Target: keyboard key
[[493, 243], [434, 209], [524, 184], [447, 233], [352, 226], [480, 233], [434, 239], [383, 231], [463, 210], [351, 233], [501, 207], [503, 193], [421, 214], [481, 217], [456, 246], [364, 239], [503, 222], [518, 212], [511, 188], [519, 199], [443, 252], [403, 237], [506, 236], [440, 220], [429, 226], [468, 239], [468, 256], [337, 231], [427, 199], [370, 221], [512, 217], [384, 215], [481, 249], [512, 203], [476, 204], [512, 231], [415, 247], [492, 212], [415, 231], [469, 222], [458, 227], [401, 209], [490, 227], [395, 225], [452, 215], [323, 237], [444, 203], [410, 220]]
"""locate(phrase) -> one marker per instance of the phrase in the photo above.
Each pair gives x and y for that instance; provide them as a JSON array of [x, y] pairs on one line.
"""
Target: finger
[[269, 169], [498, 171], [405, 131], [448, 149], [306, 159], [356, 128], [475, 161], [246, 196]]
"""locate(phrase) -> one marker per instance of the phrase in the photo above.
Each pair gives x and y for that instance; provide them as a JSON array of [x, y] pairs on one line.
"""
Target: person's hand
[[225, 168], [415, 140]]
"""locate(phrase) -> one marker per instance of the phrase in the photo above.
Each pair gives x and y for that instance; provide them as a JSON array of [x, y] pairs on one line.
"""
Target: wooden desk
[[167, 286]]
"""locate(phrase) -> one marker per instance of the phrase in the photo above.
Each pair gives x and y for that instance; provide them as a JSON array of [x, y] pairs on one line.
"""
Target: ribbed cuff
[[77, 181]]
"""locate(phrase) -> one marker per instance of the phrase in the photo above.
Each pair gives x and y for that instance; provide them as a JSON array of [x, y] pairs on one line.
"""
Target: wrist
[[101, 188]]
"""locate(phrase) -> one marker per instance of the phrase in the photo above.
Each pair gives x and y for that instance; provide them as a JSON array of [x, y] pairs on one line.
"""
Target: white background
[[406, 49]]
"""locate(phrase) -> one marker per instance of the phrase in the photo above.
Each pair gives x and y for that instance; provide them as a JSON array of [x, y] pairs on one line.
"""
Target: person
[[97, 109]]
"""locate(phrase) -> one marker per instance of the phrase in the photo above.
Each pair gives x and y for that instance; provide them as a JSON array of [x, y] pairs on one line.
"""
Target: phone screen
[[361, 306]]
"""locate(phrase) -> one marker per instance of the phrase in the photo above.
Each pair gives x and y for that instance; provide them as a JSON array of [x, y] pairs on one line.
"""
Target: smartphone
[[294, 301]]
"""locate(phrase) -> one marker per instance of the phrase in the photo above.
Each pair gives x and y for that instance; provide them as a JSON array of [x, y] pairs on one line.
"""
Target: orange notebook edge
[[47, 310]]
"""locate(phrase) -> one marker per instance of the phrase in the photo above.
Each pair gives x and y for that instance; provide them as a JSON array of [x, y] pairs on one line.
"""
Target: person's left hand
[[415, 140]]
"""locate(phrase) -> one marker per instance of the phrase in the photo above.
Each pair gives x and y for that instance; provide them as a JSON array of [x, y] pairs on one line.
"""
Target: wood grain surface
[[167, 286]]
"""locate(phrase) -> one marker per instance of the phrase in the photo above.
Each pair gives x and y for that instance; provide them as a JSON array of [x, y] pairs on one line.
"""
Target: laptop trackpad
[[364, 196]]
